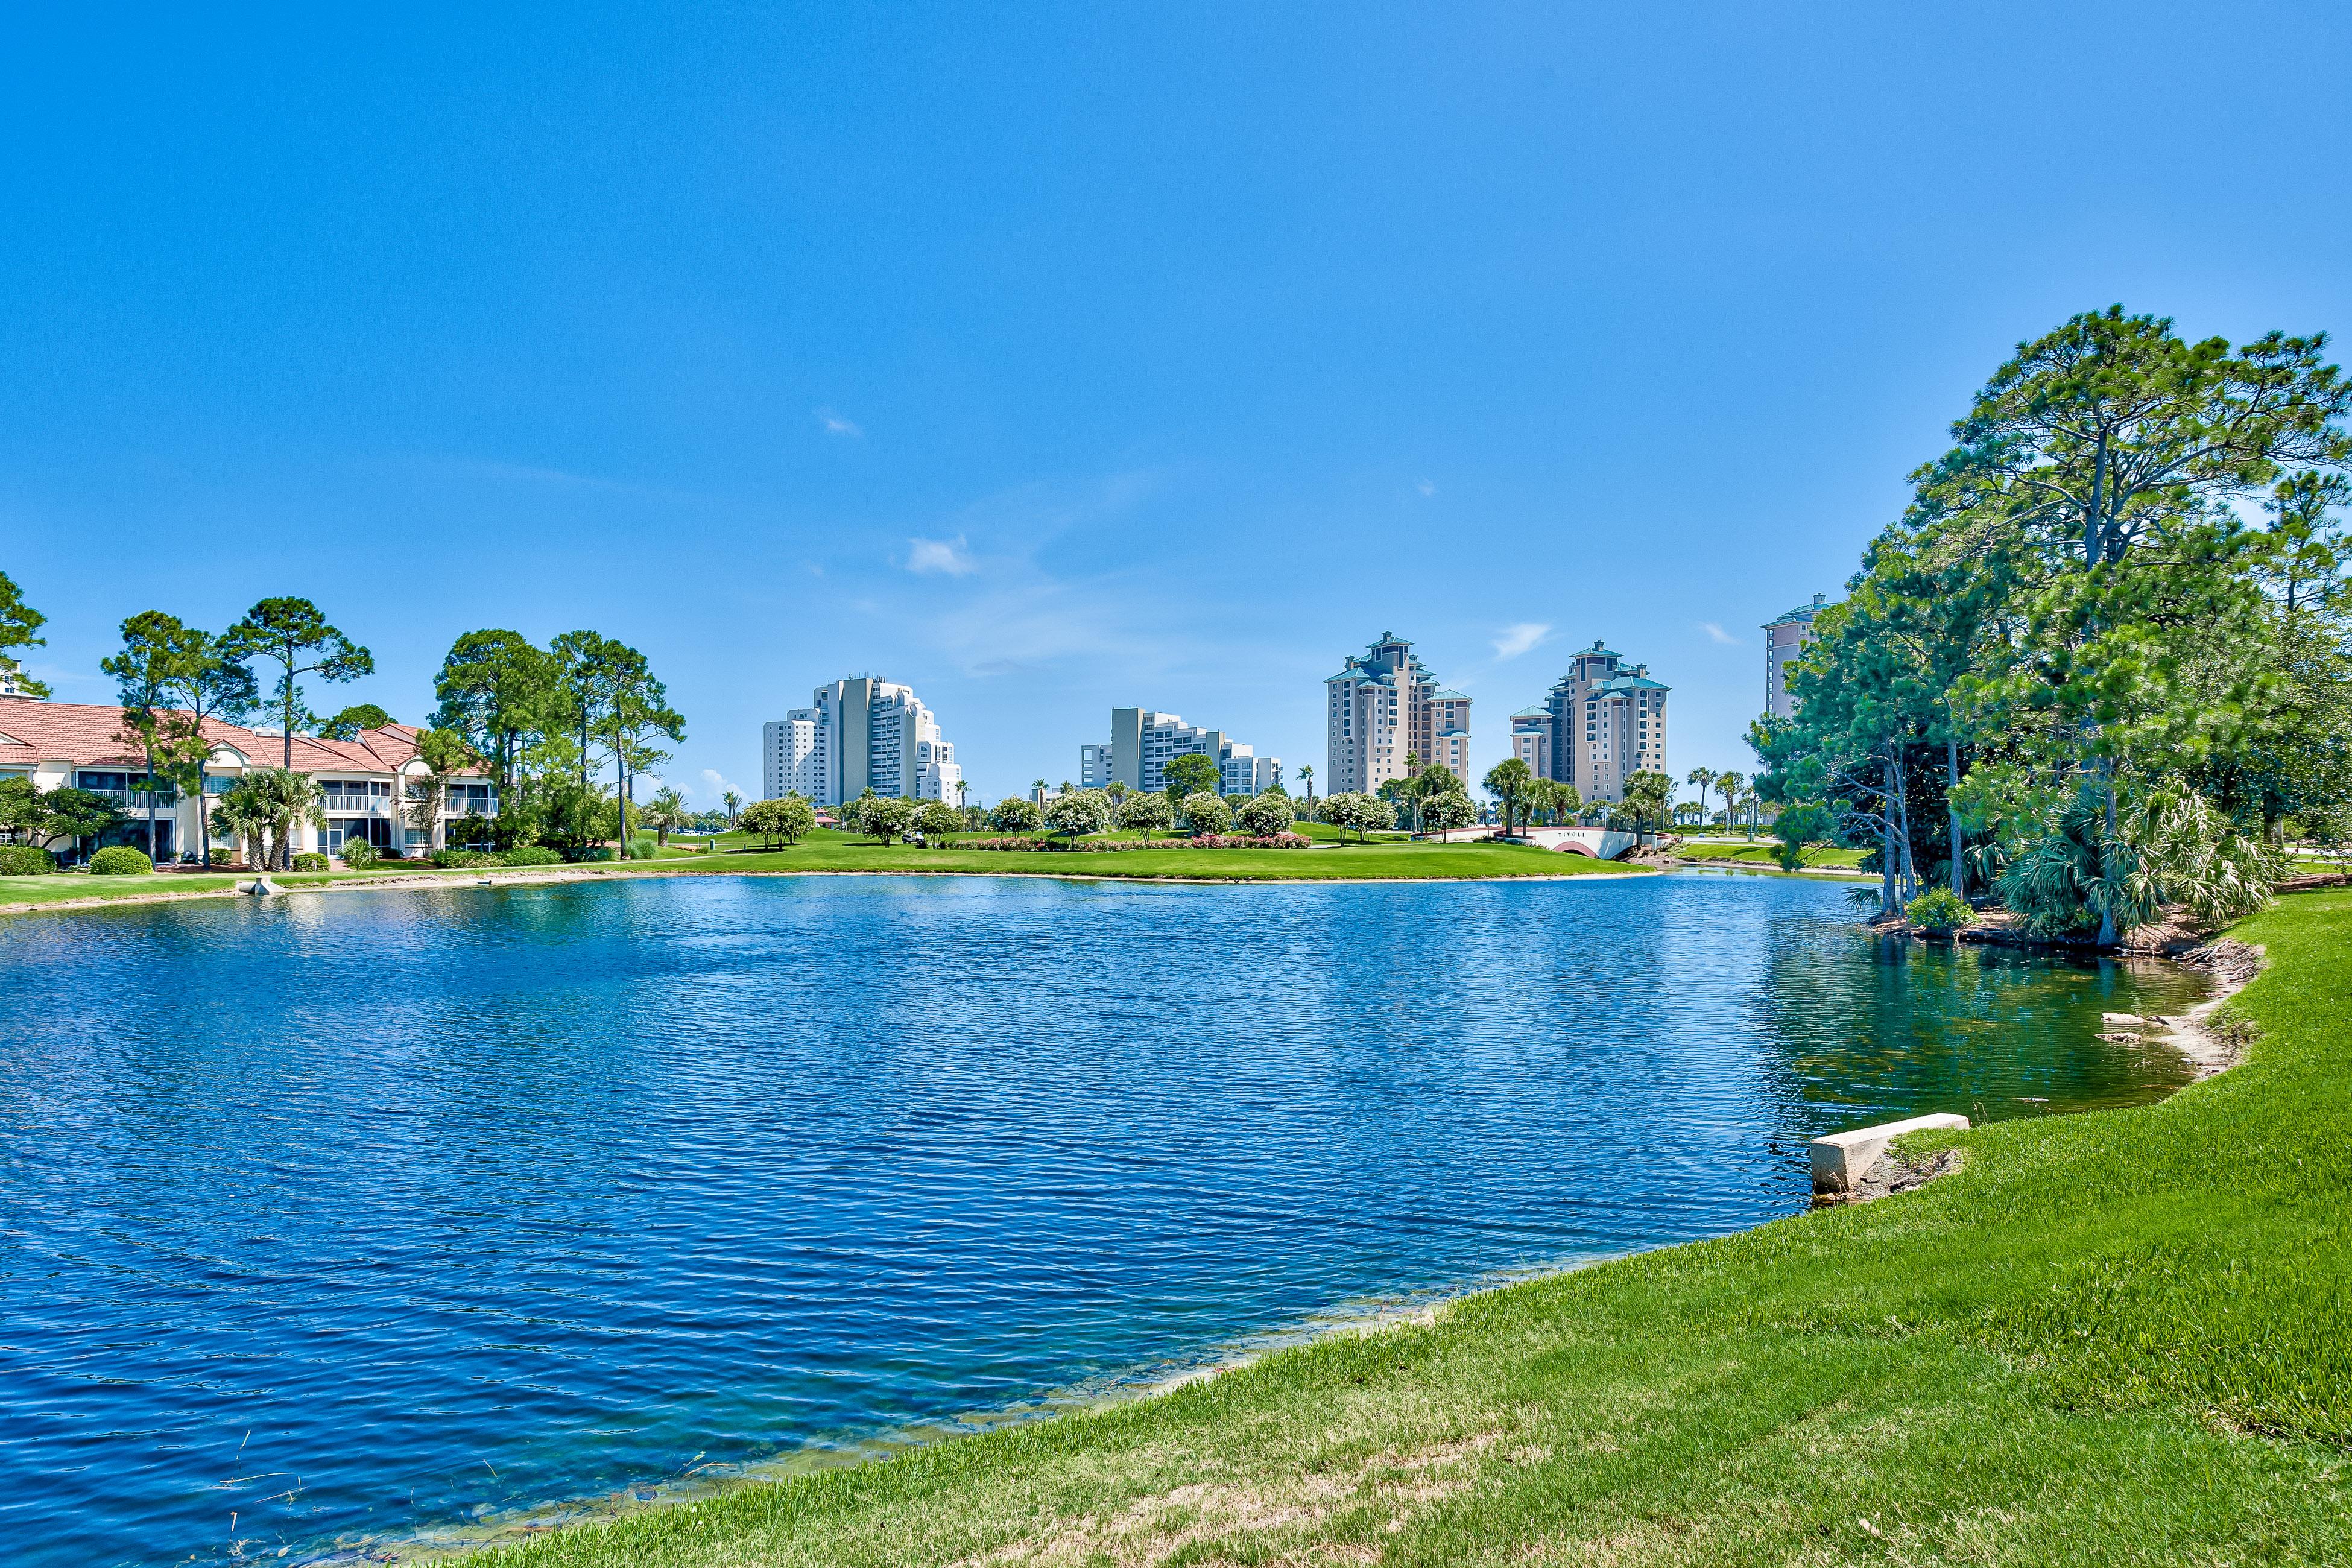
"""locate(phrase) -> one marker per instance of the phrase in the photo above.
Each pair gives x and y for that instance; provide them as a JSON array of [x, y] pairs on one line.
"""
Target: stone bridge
[[1598, 843]]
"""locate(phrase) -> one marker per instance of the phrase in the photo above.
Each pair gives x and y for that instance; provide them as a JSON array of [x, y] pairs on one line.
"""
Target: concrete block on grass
[[1842, 1160]]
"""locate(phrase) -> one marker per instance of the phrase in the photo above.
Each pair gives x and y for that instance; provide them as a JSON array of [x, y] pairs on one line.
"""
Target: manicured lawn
[[826, 850], [2117, 1338], [1763, 852]]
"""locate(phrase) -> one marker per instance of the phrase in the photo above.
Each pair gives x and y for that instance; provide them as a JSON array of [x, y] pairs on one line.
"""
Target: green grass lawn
[[2117, 1338], [1763, 852], [826, 850]]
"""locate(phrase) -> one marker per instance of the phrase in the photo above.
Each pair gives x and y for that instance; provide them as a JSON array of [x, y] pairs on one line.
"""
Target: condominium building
[[1604, 720], [1385, 716], [373, 787], [1783, 639], [1143, 742], [858, 734], [1531, 740]]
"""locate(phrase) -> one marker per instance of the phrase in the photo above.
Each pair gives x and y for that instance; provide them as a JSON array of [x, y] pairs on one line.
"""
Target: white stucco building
[[372, 785], [1143, 742], [856, 734]]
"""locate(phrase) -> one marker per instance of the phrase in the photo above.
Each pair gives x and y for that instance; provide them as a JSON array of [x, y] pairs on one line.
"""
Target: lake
[[334, 1221]]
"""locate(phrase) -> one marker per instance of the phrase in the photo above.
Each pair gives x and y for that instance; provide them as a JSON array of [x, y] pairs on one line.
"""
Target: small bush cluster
[[26, 861], [1116, 846], [643, 846], [1939, 909], [1251, 841], [523, 855], [359, 853], [309, 860], [121, 860]]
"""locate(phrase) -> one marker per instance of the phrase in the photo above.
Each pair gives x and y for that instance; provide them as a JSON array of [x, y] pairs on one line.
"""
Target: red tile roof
[[90, 735]]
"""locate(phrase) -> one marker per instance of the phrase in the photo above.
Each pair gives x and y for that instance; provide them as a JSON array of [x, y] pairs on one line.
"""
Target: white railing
[[359, 805], [469, 809], [136, 799]]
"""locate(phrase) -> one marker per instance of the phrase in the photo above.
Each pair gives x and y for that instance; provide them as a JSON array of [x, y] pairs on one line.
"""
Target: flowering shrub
[[1113, 846], [1250, 841]]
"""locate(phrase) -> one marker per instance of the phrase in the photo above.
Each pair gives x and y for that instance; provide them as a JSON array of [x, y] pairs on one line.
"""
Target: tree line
[[2102, 661], [564, 732]]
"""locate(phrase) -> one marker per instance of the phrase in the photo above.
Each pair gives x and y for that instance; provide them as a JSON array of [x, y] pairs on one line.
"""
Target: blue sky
[[1057, 358]]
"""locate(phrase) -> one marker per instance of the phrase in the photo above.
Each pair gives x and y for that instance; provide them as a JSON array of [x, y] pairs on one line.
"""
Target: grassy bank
[[829, 851], [1763, 852], [2124, 1337]]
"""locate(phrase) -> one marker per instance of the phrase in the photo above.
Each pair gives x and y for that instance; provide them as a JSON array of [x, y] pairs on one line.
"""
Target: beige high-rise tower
[[1604, 721], [1383, 708]]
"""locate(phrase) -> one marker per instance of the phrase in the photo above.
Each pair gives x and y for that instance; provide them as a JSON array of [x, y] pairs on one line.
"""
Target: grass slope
[[829, 851], [2118, 1338], [1763, 852]]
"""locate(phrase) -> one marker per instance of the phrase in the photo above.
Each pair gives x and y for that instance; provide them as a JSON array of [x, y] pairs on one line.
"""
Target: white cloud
[[1515, 640], [1426, 489], [951, 556], [834, 425], [715, 786], [1719, 633]]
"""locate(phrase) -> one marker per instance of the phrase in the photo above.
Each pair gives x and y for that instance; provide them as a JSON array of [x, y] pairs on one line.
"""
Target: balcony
[[134, 801], [359, 805], [456, 808]]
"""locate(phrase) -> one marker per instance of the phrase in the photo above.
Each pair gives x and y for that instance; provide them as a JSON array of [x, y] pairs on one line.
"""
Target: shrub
[[1802, 823], [1939, 909], [1265, 816], [121, 860], [531, 855], [26, 861], [784, 820], [359, 853], [309, 860], [1207, 815], [641, 846], [1079, 813], [1014, 814], [455, 859]]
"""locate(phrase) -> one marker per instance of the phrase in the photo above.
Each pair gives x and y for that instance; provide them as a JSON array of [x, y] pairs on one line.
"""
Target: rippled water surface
[[328, 1221]]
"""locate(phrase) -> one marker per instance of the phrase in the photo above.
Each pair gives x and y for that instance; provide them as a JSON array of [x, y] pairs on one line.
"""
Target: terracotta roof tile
[[88, 735]]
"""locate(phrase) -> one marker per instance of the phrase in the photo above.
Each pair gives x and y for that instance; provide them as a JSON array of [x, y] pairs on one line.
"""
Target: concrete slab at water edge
[[1842, 1160]]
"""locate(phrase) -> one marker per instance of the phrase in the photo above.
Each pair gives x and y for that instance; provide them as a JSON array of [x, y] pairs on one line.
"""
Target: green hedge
[[26, 861], [121, 860]]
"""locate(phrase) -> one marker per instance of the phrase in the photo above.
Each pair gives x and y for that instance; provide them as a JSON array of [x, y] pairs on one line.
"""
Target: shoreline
[[2207, 1055], [491, 877], [460, 1543]]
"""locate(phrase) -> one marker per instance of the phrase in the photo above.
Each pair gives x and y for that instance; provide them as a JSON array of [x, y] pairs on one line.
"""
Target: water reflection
[[358, 1214]]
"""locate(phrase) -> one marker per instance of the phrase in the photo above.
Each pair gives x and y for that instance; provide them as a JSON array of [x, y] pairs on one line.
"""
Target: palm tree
[[1306, 777], [1509, 781], [1750, 801], [1037, 787], [733, 803], [1728, 784], [665, 811], [1702, 778]]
